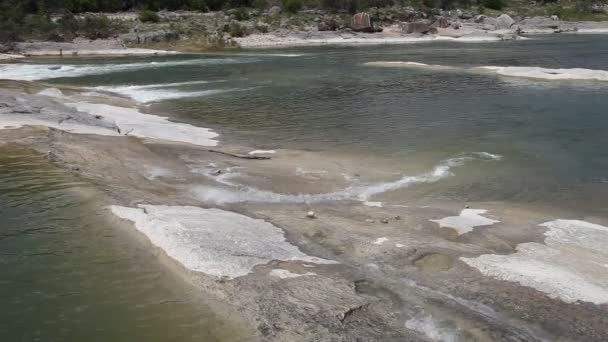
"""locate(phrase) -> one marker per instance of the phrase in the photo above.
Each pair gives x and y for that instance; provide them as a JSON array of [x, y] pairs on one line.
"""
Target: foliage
[[236, 30], [493, 4], [292, 6], [148, 16], [241, 14]]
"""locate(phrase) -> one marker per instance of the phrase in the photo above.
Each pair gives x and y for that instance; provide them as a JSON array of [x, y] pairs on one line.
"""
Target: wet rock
[[504, 22], [479, 19], [434, 262], [384, 221]]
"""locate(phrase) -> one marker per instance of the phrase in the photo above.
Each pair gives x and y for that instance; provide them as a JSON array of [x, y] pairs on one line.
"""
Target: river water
[[68, 275], [551, 136]]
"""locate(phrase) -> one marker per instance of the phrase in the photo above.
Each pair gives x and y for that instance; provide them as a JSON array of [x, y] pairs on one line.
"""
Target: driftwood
[[238, 155]]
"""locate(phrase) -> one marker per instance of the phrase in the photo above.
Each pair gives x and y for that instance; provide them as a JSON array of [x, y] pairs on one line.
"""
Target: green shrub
[[493, 4], [236, 30], [96, 27], [241, 14], [147, 16], [292, 6], [260, 4]]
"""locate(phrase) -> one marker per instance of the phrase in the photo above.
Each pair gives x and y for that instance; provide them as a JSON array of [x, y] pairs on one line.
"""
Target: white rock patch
[[380, 241], [569, 266], [213, 241], [466, 221], [285, 274], [262, 152], [132, 122]]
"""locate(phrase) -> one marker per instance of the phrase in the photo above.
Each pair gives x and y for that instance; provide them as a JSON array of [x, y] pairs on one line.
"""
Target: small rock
[[384, 220], [217, 172], [274, 11], [311, 214], [397, 217]]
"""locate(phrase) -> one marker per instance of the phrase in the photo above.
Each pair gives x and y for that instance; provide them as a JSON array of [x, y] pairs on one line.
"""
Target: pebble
[[384, 220], [311, 214]]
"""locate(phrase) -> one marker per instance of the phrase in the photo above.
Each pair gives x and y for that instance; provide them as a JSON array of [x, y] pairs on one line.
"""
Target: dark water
[[67, 275], [551, 134]]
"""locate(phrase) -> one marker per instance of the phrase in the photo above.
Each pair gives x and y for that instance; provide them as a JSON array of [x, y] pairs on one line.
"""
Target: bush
[[493, 4], [96, 27], [236, 30], [241, 14], [292, 6], [260, 4], [147, 16]]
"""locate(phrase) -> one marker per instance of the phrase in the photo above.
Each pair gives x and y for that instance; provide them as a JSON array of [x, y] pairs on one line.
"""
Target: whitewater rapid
[[235, 193]]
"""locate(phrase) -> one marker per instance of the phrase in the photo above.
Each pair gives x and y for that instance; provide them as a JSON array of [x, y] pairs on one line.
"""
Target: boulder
[[441, 22], [361, 22], [456, 25], [274, 11], [504, 22], [418, 27]]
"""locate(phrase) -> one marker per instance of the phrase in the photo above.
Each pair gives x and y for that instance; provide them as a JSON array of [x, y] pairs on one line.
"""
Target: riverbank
[[300, 245], [184, 31]]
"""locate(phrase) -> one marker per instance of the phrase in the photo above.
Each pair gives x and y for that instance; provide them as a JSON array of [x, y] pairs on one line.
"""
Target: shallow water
[[551, 133], [65, 272]]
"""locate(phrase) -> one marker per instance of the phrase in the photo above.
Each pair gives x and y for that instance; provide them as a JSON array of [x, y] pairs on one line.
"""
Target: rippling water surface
[[552, 134], [67, 275]]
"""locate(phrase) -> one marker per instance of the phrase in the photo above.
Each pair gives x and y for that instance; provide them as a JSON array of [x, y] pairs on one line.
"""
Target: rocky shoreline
[[194, 31], [350, 271]]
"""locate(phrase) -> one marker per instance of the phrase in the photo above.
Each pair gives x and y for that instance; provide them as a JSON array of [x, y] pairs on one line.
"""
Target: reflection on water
[[66, 275]]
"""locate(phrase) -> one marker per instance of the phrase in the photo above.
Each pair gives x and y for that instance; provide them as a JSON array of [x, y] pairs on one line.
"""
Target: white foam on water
[[380, 241], [373, 204], [132, 122], [213, 241], [354, 193], [414, 65], [399, 245], [569, 266], [262, 152], [155, 172], [285, 274], [432, 329], [51, 92], [548, 74], [163, 91], [31, 72], [466, 221]]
